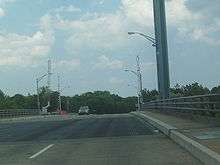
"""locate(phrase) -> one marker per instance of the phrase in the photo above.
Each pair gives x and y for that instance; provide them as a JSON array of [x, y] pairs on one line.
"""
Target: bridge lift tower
[[161, 48]]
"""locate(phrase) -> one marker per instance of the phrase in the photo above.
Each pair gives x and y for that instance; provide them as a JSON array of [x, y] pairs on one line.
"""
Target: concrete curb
[[204, 154], [201, 152], [163, 127]]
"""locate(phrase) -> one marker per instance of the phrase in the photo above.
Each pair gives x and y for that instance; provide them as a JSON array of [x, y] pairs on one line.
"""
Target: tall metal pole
[[139, 76], [38, 97], [138, 98], [49, 80], [139, 83], [59, 91], [161, 48], [67, 105], [138, 101]]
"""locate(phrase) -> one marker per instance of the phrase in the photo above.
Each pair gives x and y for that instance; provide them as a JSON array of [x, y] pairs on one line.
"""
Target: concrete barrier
[[163, 127], [201, 152], [12, 113], [38, 118]]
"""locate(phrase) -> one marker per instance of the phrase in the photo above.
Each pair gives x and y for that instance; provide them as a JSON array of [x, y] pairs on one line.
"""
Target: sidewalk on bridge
[[204, 133]]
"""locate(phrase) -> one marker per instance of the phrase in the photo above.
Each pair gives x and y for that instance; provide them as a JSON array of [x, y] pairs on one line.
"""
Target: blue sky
[[89, 47]]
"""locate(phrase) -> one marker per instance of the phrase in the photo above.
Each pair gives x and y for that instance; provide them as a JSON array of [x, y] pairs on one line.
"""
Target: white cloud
[[190, 24], [68, 64], [46, 23], [178, 14], [139, 12], [148, 66], [101, 2], [108, 31], [2, 12], [2, 4], [69, 8], [105, 63], [22, 50], [104, 31], [116, 81]]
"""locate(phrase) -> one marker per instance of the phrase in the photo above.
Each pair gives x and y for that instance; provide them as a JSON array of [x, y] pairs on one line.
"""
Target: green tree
[[194, 89], [2, 95], [177, 91], [216, 90], [19, 100], [150, 95]]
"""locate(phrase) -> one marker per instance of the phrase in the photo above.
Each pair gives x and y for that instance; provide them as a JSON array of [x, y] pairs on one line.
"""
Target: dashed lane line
[[41, 151]]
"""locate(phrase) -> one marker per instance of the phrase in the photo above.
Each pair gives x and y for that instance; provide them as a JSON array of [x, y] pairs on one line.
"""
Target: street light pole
[[38, 96], [139, 79], [162, 65], [160, 42], [67, 105], [49, 83], [59, 91], [138, 98]]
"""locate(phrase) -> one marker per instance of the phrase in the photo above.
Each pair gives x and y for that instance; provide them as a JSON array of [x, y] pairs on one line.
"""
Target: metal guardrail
[[201, 103], [11, 113]]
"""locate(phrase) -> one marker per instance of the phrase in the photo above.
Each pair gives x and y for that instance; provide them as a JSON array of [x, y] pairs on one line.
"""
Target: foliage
[[181, 91], [194, 89], [216, 90], [150, 95], [99, 101], [2, 95]]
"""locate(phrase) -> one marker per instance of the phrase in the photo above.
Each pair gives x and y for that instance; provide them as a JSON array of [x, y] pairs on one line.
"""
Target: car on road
[[83, 110]]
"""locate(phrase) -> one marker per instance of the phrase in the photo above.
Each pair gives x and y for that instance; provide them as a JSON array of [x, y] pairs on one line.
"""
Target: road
[[93, 140]]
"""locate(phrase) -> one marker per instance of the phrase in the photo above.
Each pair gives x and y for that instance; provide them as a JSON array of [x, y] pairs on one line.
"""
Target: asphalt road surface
[[88, 140]]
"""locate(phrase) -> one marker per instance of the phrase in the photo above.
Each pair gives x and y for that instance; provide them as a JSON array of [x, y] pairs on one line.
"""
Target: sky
[[89, 47]]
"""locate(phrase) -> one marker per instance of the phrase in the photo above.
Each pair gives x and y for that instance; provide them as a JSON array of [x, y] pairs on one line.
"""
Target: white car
[[83, 110]]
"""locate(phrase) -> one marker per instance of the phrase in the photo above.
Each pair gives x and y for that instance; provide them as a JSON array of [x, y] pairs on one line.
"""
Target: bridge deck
[[104, 140]]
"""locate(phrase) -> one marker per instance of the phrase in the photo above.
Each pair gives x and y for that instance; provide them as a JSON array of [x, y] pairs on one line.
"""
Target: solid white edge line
[[41, 151]]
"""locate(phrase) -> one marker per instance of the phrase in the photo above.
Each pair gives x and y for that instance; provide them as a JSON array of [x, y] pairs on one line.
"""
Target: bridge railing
[[11, 113], [202, 103]]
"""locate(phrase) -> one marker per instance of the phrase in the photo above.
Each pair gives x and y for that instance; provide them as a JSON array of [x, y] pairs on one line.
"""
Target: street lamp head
[[130, 33]]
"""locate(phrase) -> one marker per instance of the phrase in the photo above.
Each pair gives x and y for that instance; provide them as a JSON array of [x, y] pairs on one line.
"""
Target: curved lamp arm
[[149, 38]]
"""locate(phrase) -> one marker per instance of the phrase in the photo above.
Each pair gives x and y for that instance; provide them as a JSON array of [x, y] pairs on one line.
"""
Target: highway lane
[[104, 139], [71, 129]]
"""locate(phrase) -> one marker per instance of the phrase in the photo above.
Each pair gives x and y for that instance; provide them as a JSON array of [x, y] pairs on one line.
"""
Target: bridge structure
[[168, 131], [181, 130]]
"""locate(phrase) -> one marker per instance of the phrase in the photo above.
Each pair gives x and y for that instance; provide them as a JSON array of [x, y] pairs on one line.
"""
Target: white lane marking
[[41, 151]]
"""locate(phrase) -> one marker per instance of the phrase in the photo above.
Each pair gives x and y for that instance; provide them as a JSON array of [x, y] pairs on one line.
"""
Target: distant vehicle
[[83, 110]]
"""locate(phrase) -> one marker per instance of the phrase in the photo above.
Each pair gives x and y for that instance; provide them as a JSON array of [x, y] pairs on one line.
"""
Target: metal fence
[[11, 113], [204, 104]]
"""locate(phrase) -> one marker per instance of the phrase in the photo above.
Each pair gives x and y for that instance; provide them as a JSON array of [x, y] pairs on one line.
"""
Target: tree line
[[181, 91], [98, 101]]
